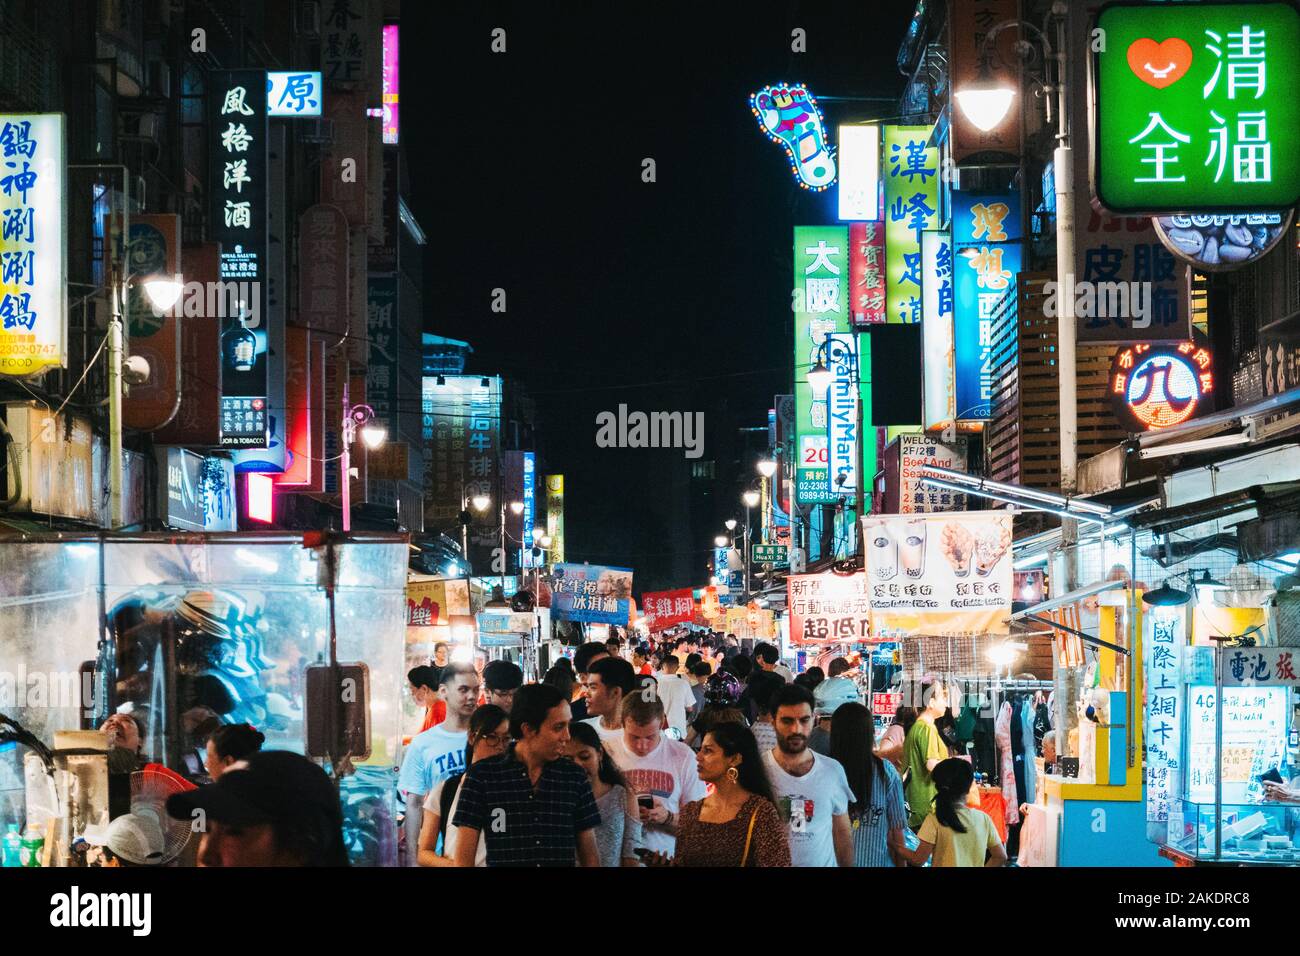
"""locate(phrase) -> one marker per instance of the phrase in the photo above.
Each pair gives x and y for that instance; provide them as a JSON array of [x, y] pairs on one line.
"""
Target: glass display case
[[1238, 731]]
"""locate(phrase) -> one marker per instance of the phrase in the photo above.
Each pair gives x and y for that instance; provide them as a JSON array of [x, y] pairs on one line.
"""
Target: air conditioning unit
[[308, 16]]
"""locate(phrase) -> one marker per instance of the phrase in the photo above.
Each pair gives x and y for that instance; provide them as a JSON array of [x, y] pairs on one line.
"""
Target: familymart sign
[[1197, 107]]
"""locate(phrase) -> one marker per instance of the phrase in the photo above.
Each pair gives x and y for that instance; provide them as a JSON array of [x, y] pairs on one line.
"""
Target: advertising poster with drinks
[[591, 593], [941, 574], [828, 608]]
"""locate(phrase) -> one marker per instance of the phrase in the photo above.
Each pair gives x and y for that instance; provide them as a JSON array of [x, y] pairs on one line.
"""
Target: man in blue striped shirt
[[532, 806]]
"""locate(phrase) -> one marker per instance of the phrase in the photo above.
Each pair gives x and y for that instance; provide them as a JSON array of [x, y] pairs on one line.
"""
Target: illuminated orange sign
[[1159, 385]]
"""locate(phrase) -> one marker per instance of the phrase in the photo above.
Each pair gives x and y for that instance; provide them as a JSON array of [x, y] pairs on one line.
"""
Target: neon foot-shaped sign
[[788, 116]]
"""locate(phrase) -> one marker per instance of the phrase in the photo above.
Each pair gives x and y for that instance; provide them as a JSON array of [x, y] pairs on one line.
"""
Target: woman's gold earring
[[733, 774]]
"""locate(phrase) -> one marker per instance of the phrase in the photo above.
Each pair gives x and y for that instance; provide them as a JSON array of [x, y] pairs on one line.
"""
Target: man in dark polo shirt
[[531, 805]]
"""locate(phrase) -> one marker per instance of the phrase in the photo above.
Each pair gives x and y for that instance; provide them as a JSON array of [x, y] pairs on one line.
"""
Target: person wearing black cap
[[275, 809], [500, 681]]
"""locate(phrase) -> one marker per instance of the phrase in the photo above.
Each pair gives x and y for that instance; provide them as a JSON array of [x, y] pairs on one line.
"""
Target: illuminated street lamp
[[750, 499], [516, 508], [985, 103], [766, 467], [731, 524], [819, 378], [721, 541], [357, 419]]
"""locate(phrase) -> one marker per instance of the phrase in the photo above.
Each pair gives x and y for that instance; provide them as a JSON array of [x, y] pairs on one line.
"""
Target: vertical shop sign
[[911, 208], [33, 243], [821, 309], [391, 78], [938, 388], [867, 272], [986, 234], [973, 60], [842, 434], [237, 220], [555, 516]]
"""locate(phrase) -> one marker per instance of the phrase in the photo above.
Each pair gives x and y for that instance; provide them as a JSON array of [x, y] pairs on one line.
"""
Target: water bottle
[[30, 847], [11, 849]]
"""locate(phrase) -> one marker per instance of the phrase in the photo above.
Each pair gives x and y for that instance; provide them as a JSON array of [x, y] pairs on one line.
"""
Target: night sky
[[526, 176]]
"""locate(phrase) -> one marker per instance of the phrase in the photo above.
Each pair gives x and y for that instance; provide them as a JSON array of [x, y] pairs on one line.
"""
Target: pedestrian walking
[[953, 833], [876, 812], [619, 833], [489, 734]]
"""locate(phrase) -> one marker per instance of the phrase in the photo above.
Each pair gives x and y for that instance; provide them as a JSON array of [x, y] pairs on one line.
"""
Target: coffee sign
[[1221, 242]]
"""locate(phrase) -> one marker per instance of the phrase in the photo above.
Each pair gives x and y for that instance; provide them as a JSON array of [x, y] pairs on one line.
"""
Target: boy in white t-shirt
[[659, 770]]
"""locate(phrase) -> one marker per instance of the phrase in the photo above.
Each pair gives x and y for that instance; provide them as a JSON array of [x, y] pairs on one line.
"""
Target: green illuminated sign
[[770, 554], [821, 302], [1198, 107], [911, 174]]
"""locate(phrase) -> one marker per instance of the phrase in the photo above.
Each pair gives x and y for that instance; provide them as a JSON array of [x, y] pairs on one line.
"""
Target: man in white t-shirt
[[609, 681], [659, 770], [439, 752], [812, 791], [675, 692]]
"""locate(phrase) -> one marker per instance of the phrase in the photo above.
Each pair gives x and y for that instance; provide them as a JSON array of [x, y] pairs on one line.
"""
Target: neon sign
[[789, 116], [1158, 386]]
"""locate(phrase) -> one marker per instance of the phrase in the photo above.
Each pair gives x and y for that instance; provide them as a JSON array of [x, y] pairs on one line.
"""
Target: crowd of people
[[688, 752], [685, 752]]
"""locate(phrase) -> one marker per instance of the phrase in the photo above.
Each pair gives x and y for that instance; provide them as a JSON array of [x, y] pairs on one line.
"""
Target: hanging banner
[[1197, 107], [591, 593], [911, 207], [942, 575], [155, 253], [938, 393], [821, 256], [986, 233], [294, 93], [971, 60], [664, 609], [828, 608], [237, 220], [33, 243]]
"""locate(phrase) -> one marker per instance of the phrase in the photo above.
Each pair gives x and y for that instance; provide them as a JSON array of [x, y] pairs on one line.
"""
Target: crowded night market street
[[474, 435]]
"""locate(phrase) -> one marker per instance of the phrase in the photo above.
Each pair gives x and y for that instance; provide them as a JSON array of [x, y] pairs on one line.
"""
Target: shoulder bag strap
[[749, 837]]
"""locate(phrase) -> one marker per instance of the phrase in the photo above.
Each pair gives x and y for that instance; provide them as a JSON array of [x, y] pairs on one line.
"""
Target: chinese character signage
[[431, 603], [345, 40], [1157, 386], [324, 265], [1221, 242], [789, 116], [828, 608], [591, 593], [237, 220], [859, 172], [938, 395], [530, 506], [1164, 719], [911, 207], [1198, 107], [1252, 666], [821, 255], [390, 84], [381, 371], [663, 609], [988, 257], [771, 554], [944, 575], [293, 93], [33, 243], [917, 452], [867, 272]]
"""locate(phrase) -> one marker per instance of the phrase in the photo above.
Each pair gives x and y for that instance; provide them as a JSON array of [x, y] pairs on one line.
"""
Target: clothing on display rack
[[1006, 763]]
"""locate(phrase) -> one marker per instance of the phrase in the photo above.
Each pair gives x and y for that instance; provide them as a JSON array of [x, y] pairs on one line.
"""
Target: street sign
[[770, 554], [1198, 107]]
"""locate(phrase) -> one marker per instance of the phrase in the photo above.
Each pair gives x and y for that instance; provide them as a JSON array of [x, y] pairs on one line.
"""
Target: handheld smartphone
[[641, 852], [1271, 776], [645, 801]]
